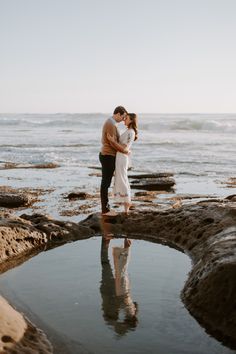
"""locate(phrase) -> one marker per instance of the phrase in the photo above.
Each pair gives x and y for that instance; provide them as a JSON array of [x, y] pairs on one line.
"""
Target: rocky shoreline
[[205, 230]]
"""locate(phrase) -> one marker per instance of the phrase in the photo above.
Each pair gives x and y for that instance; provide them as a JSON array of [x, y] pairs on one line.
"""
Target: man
[[107, 156]]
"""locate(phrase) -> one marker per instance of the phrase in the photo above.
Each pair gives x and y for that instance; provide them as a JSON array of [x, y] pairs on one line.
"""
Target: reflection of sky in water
[[71, 289]]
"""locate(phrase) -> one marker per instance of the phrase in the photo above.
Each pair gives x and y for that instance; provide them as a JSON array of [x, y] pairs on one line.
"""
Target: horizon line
[[112, 113]]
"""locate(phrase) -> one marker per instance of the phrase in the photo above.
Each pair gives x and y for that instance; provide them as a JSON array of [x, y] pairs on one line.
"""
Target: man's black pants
[[108, 167]]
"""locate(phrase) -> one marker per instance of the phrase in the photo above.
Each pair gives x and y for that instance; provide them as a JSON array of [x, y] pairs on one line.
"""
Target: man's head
[[119, 114]]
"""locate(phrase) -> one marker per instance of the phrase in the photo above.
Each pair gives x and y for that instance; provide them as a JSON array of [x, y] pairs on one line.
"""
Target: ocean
[[199, 149]]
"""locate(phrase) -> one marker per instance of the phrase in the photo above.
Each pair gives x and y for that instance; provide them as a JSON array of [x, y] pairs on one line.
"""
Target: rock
[[190, 196], [95, 167], [210, 290], [142, 194], [79, 195], [177, 205], [232, 198], [20, 235], [93, 221], [154, 184], [95, 174], [152, 175], [13, 165], [17, 333], [14, 200], [232, 181], [58, 231]]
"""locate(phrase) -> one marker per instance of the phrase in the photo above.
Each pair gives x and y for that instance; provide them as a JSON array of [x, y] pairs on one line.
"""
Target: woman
[[119, 309], [121, 185]]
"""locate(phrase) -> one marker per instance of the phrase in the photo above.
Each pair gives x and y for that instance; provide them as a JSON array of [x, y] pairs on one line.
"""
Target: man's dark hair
[[120, 109]]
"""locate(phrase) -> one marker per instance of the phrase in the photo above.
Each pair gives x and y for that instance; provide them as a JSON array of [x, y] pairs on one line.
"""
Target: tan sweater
[[109, 127]]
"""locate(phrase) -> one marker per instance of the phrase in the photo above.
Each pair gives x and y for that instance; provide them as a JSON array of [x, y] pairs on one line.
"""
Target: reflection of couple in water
[[114, 156], [119, 310]]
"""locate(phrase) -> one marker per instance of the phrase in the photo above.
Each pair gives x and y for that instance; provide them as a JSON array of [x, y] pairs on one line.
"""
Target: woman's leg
[[127, 206]]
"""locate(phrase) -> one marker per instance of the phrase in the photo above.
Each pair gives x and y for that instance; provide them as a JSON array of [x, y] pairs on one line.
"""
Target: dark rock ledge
[[206, 232]]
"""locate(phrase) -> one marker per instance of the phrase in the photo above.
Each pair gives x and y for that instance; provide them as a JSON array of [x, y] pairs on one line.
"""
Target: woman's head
[[131, 122]]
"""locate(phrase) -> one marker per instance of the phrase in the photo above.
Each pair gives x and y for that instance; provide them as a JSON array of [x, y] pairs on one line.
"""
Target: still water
[[97, 296]]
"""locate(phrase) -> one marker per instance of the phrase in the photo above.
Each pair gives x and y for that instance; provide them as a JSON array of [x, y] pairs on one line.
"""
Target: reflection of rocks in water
[[115, 290]]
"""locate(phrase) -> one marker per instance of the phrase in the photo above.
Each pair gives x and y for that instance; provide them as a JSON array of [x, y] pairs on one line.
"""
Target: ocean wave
[[164, 143], [60, 120], [40, 146], [204, 125], [151, 123], [43, 122], [185, 173], [197, 123]]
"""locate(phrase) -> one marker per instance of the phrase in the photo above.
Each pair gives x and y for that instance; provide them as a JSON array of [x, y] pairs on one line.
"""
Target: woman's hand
[[127, 243]]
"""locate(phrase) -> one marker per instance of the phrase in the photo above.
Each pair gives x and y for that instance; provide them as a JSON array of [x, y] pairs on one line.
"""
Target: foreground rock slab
[[16, 333]]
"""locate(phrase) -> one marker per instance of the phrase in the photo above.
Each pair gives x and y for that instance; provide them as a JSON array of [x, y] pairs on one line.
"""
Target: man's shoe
[[110, 213]]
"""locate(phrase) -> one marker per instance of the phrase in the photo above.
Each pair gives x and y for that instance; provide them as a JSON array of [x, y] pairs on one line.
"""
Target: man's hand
[[111, 137], [119, 147]]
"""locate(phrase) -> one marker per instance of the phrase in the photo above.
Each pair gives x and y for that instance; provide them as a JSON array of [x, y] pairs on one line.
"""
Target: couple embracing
[[114, 156]]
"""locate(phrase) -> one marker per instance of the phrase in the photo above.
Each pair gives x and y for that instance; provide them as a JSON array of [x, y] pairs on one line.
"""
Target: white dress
[[121, 258], [121, 188]]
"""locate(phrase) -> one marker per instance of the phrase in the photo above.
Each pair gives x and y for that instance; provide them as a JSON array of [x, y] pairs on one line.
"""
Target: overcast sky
[[91, 55]]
